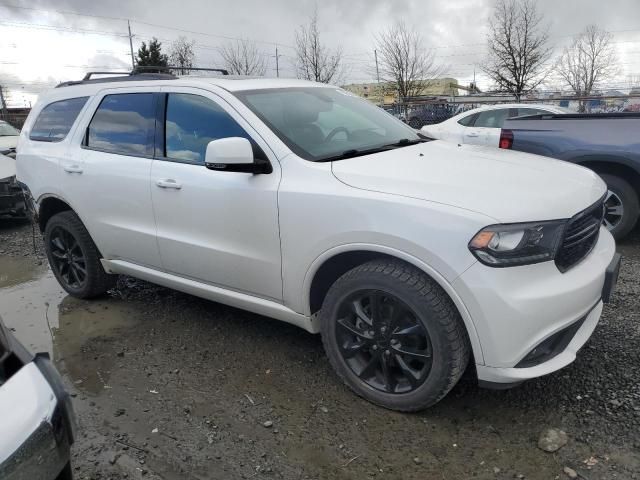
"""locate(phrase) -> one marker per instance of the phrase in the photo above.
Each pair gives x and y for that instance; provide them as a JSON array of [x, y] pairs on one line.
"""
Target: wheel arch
[[618, 166], [48, 206], [333, 263]]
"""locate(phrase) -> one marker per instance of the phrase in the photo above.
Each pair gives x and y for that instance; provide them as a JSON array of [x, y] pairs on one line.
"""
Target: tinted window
[[125, 124], [468, 120], [492, 118], [192, 122], [56, 119], [529, 111]]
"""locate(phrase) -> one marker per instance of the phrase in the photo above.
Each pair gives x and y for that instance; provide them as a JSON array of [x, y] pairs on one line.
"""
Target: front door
[[216, 227]]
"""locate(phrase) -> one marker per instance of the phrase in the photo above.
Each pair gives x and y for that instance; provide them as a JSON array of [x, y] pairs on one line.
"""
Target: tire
[[428, 306], [624, 194], [67, 228]]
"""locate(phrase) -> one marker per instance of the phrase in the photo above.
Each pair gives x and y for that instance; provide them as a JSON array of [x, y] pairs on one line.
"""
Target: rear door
[[107, 178]]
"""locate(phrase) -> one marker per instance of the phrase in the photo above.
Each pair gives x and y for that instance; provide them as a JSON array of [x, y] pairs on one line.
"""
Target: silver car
[[37, 422]]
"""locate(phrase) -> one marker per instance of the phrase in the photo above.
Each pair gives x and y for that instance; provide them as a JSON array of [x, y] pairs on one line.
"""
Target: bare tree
[[315, 61], [405, 62], [181, 55], [517, 43], [590, 60], [242, 57]]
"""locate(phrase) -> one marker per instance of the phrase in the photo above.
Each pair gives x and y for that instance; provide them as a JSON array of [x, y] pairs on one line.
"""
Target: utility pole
[[133, 59], [380, 91], [3, 110], [277, 62]]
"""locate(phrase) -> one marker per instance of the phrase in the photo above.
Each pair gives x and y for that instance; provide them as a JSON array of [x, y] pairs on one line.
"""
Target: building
[[386, 93]]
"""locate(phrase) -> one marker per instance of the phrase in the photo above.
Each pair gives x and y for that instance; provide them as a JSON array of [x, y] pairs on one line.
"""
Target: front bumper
[[36, 419], [517, 309], [12, 199]]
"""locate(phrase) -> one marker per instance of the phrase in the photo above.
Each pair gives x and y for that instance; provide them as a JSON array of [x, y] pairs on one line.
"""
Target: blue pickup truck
[[607, 143]]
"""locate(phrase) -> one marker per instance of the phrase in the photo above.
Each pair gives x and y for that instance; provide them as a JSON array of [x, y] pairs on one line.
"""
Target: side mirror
[[233, 154]]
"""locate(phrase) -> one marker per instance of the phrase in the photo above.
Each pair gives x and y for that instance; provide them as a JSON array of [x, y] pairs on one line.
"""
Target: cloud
[[458, 28]]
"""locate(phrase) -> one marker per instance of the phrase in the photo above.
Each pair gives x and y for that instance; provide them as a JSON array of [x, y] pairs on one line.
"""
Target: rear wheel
[[393, 335], [74, 258], [621, 206]]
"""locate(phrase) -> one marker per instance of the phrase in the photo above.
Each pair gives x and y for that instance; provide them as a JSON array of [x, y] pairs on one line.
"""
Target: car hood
[[8, 141], [505, 185], [7, 167]]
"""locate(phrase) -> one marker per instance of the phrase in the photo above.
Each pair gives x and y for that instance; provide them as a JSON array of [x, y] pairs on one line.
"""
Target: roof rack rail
[[145, 72], [90, 74], [169, 68]]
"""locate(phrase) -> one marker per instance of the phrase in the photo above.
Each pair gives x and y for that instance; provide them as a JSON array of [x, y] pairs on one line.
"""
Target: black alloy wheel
[[383, 342], [74, 257], [67, 257]]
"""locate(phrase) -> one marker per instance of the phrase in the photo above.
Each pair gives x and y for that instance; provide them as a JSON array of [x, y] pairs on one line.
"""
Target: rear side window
[[56, 119], [124, 124], [192, 122], [468, 120], [492, 118]]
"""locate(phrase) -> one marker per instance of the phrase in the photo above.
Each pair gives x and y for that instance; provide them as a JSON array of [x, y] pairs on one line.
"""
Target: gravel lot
[[167, 385]]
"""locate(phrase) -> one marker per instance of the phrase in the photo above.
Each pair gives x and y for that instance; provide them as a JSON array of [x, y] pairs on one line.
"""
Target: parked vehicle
[[305, 203], [604, 143], [8, 139], [37, 422], [11, 197], [481, 126]]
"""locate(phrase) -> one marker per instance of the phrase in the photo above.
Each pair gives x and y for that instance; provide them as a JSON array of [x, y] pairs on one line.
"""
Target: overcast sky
[[39, 47]]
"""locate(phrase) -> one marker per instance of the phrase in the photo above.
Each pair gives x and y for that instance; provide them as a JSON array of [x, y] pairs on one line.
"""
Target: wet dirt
[[167, 385]]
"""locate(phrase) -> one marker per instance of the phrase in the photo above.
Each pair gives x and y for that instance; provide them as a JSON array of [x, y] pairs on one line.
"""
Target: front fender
[[416, 262]]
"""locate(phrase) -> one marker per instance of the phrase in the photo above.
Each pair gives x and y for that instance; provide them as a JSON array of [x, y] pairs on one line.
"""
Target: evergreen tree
[[151, 56]]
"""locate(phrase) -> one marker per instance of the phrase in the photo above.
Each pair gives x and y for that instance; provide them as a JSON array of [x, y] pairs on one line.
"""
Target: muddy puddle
[[46, 319]]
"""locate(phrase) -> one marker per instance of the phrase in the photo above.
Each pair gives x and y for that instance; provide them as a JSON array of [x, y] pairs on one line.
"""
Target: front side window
[[324, 123], [192, 121], [125, 124], [56, 119], [492, 118]]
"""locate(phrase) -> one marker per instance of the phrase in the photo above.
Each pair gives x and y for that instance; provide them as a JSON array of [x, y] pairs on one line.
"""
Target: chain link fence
[[418, 113]]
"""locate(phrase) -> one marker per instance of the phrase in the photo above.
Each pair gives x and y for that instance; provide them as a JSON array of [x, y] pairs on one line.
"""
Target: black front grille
[[580, 236]]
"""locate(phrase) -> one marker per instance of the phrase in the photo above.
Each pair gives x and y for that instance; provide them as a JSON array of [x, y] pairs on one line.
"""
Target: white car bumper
[[532, 320]]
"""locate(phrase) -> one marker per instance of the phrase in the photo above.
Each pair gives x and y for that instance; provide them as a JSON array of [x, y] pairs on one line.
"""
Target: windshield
[[7, 130], [321, 124]]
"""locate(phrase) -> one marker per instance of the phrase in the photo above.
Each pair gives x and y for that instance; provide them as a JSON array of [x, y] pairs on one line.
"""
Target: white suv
[[302, 202]]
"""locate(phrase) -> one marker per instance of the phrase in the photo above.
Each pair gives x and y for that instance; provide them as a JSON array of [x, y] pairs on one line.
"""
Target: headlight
[[517, 243]]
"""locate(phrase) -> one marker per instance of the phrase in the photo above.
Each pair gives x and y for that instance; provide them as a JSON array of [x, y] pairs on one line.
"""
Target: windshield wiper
[[403, 142]]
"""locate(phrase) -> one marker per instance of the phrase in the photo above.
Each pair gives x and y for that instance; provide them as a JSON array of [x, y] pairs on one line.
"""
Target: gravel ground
[[167, 385]]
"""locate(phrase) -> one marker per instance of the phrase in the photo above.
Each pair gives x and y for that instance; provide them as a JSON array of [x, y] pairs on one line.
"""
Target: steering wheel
[[335, 131]]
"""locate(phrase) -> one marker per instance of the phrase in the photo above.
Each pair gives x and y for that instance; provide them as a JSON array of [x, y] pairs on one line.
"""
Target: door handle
[[169, 183], [472, 134], [72, 168]]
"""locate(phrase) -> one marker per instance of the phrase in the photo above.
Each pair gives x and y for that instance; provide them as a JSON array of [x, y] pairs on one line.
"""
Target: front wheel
[[74, 258], [621, 206], [393, 335]]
